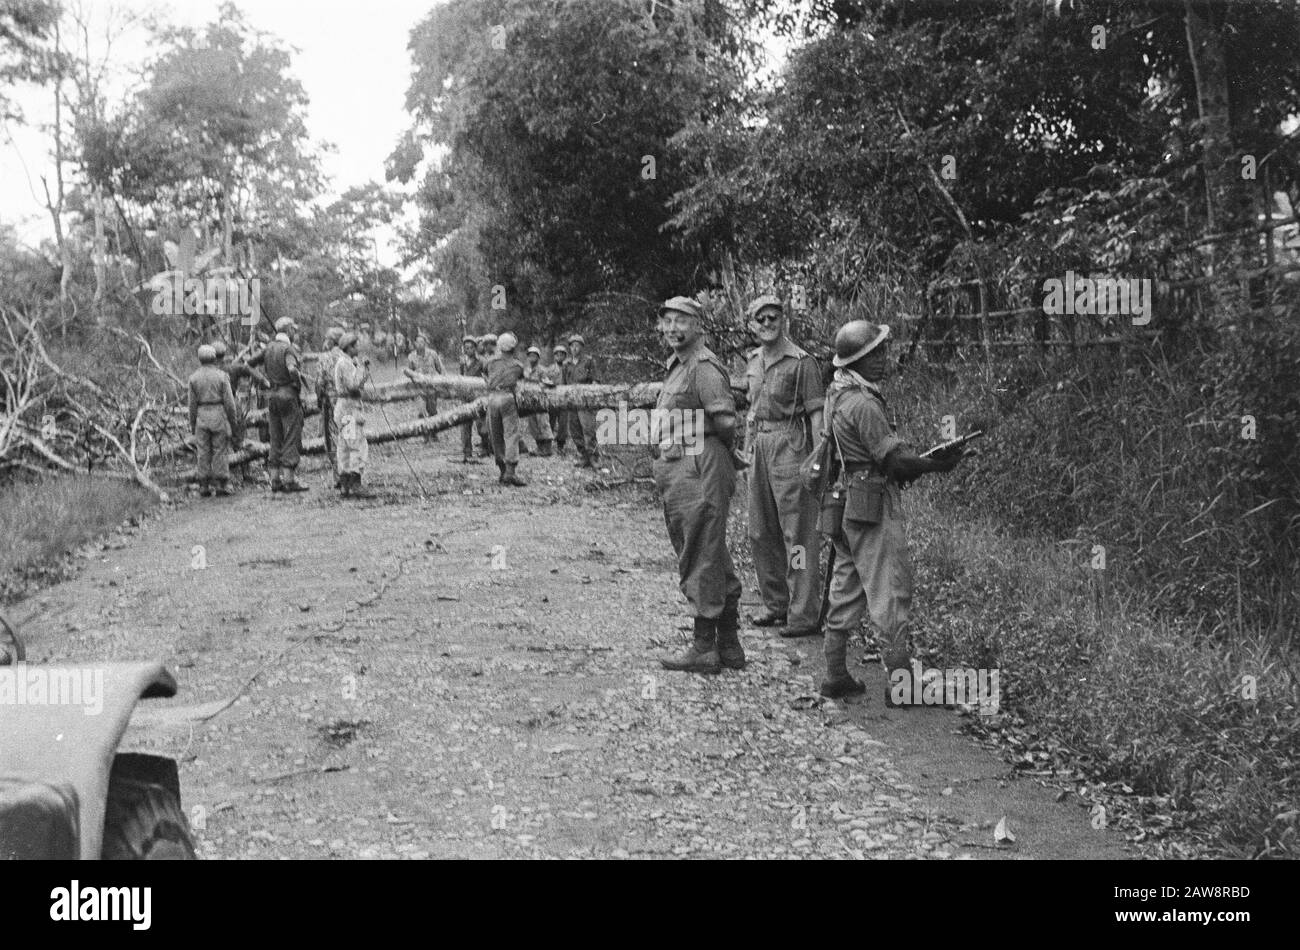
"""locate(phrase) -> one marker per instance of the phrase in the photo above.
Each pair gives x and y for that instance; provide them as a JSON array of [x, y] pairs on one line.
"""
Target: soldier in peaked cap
[[692, 431], [873, 568], [212, 416], [785, 409]]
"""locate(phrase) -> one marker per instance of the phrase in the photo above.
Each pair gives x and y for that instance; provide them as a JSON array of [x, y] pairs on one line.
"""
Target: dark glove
[[947, 459]]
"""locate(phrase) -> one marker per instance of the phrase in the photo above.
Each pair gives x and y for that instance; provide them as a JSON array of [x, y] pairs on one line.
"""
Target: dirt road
[[459, 670]]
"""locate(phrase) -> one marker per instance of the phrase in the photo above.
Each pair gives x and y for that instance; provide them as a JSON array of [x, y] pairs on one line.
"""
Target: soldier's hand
[[946, 460]]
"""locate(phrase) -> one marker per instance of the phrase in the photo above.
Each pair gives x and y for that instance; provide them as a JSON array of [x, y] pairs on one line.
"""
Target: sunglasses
[[766, 318]]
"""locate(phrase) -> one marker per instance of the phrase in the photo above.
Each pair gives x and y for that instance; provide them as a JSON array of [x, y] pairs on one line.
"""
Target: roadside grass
[[1205, 734], [42, 521]]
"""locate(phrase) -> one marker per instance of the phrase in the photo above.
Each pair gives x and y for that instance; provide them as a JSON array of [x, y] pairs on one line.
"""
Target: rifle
[[953, 443]]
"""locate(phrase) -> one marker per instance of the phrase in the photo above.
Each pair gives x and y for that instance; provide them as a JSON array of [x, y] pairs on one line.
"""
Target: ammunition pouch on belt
[[830, 518], [866, 499]]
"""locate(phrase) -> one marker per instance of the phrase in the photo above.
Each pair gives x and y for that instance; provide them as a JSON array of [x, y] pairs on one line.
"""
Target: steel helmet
[[856, 339], [219, 347], [284, 324], [534, 349], [334, 333], [507, 342], [207, 354]]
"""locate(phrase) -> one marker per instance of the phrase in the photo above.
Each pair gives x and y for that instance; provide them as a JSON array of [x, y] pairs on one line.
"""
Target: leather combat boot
[[702, 655], [357, 490], [730, 651], [510, 478], [501, 472], [767, 618], [205, 488], [839, 683], [291, 484]]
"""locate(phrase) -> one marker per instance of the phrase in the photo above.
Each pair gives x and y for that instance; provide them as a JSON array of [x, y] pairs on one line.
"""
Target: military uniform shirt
[[325, 372], [430, 364], [282, 364], [470, 366], [861, 428], [582, 370], [553, 373], [503, 373], [210, 391], [699, 381], [785, 386]]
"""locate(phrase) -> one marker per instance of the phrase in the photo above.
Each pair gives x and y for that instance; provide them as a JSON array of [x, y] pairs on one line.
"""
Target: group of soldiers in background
[[695, 463], [492, 357]]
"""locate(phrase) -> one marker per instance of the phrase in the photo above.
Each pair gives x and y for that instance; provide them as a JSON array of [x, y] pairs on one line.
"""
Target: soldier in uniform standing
[[487, 351], [785, 398], [873, 568], [539, 423], [428, 362], [237, 371], [504, 372], [326, 395], [468, 366], [559, 417], [284, 412], [349, 380], [693, 432], [212, 417], [582, 422]]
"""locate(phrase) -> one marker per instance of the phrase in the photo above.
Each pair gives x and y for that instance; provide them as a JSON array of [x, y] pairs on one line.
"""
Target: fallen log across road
[[530, 398]]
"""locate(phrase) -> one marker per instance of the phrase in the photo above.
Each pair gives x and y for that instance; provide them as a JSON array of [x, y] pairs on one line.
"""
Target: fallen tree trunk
[[530, 399], [585, 396]]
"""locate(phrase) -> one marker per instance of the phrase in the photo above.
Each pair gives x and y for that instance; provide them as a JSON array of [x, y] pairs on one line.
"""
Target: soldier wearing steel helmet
[[538, 428], [468, 365], [238, 371], [504, 371], [785, 409], [559, 417], [427, 361], [693, 430], [351, 373], [581, 369], [327, 396], [487, 351], [212, 416], [283, 365], [873, 569]]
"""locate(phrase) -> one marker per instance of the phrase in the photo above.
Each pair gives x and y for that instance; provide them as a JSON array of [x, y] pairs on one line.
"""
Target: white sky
[[351, 59]]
